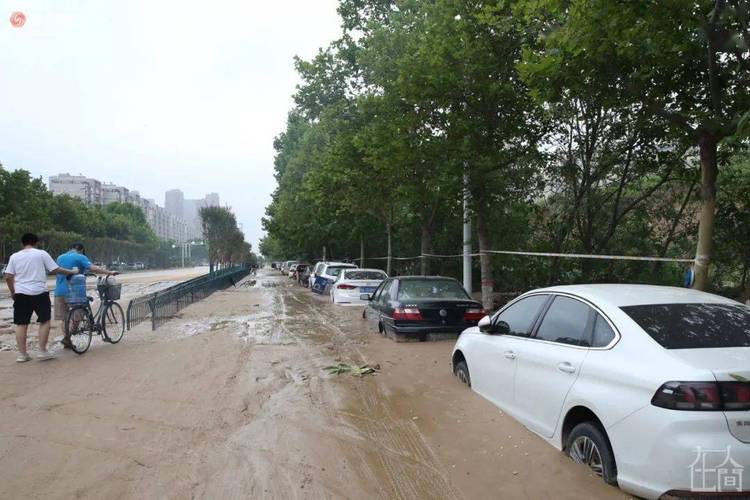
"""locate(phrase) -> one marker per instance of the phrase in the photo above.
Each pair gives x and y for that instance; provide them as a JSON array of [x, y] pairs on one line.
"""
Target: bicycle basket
[[109, 291]]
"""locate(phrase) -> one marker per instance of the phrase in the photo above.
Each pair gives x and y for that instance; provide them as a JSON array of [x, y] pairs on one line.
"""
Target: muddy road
[[231, 400]]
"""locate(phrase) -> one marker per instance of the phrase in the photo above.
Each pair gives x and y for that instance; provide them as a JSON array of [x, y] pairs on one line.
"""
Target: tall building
[[211, 200], [189, 210], [173, 201], [87, 189]]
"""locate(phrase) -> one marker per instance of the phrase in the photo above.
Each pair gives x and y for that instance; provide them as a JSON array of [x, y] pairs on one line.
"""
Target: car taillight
[[474, 314], [407, 314], [736, 395], [703, 396], [344, 286]]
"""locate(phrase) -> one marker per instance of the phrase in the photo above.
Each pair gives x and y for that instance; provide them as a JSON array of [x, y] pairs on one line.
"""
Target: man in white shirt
[[26, 277]]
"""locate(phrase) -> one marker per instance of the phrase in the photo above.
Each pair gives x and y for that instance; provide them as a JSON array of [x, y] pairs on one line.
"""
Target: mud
[[231, 400]]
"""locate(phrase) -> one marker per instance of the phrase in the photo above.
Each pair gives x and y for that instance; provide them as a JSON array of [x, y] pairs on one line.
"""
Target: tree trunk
[[361, 250], [485, 259], [426, 248], [389, 261], [673, 228], [324, 253], [709, 170]]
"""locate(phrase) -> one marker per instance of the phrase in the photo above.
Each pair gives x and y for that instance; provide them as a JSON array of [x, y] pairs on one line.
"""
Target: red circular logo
[[17, 19]]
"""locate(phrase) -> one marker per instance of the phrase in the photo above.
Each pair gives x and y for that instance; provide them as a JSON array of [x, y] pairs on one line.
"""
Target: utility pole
[[467, 234]]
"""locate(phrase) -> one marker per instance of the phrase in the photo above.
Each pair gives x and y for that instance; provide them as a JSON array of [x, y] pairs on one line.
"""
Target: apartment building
[[87, 189], [166, 226]]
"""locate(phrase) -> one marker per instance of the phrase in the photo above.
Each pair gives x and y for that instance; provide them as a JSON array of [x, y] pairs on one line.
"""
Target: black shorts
[[25, 305]]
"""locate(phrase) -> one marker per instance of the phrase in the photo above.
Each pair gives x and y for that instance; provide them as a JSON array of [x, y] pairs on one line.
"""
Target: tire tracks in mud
[[397, 458]]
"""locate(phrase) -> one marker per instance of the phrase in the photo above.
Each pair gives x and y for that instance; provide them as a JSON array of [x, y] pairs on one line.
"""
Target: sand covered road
[[230, 400]]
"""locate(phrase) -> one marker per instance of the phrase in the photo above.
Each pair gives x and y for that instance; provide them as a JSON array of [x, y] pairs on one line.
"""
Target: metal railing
[[163, 305]]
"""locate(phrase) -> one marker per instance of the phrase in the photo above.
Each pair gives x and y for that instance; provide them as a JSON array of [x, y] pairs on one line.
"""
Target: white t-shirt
[[30, 267]]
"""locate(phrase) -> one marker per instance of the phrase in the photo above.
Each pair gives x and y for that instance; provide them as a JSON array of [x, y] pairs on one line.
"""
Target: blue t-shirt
[[69, 260]]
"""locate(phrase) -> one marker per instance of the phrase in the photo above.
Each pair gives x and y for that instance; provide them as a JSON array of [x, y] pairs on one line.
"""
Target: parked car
[[352, 283], [415, 306], [316, 270], [631, 380], [286, 265], [292, 269], [328, 274], [302, 274]]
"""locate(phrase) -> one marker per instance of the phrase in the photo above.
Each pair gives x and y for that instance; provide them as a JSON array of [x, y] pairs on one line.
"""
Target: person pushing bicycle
[[75, 257]]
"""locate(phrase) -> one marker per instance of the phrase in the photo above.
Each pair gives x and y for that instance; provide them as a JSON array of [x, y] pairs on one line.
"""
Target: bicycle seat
[[91, 299]]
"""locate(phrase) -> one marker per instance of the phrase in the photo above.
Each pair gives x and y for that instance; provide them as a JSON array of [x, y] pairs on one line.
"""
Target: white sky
[[155, 95]]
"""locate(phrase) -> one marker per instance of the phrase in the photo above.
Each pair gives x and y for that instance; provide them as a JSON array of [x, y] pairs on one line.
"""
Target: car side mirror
[[501, 328], [485, 325], [365, 296]]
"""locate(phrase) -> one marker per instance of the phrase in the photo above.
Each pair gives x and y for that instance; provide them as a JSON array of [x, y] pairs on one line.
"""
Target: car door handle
[[510, 354], [566, 367]]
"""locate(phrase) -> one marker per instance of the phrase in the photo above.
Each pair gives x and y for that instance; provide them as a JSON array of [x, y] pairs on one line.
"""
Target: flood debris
[[356, 370]]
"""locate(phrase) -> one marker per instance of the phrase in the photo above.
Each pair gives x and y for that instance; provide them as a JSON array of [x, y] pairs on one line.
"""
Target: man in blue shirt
[[76, 258]]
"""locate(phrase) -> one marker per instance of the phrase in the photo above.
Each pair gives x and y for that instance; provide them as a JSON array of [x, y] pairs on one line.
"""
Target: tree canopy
[[586, 126]]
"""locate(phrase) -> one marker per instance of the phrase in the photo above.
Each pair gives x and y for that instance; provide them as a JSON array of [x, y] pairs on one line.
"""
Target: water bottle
[[77, 289]]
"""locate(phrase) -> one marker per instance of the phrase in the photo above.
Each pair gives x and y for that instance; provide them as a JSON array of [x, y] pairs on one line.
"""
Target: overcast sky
[[156, 94]]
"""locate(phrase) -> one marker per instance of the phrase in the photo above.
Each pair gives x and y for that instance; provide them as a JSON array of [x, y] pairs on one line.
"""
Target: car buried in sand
[[637, 382], [352, 283], [421, 307]]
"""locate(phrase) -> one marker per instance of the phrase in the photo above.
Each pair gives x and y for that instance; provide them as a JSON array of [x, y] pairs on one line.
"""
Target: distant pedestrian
[[26, 277], [75, 257]]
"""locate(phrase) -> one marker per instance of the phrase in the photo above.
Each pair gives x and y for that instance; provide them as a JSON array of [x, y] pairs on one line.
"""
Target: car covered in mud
[[636, 382], [352, 283], [421, 307], [327, 273]]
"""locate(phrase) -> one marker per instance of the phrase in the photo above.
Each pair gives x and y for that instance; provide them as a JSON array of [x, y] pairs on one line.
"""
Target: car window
[[431, 289], [694, 326], [385, 295], [364, 275], [335, 270], [379, 291], [567, 322], [520, 315], [603, 333]]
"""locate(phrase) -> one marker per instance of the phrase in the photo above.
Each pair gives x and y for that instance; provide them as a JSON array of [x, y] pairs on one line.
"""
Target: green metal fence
[[161, 306]]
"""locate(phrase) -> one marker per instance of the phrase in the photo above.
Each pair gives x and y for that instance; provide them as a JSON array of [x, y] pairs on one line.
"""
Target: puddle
[[260, 328]]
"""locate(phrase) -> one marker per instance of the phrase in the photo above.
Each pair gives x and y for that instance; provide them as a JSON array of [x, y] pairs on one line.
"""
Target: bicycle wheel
[[79, 328], [113, 322]]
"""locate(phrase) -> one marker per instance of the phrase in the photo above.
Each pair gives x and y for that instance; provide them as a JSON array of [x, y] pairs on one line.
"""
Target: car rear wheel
[[588, 445], [461, 371]]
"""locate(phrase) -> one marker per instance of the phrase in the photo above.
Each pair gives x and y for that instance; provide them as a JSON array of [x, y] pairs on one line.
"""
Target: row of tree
[[591, 126], [226, 242], [118, 231]]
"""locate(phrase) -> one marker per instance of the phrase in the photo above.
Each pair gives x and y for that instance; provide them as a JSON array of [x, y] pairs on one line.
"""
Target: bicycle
[[81, 323]]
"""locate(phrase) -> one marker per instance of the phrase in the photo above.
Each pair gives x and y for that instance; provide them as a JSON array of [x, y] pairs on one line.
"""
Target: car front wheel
[[588, 445], [462, 372]]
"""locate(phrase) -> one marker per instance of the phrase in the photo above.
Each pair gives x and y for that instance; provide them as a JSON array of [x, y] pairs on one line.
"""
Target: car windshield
[[335, 270], [694, 326], [364, 275], [431, 289]]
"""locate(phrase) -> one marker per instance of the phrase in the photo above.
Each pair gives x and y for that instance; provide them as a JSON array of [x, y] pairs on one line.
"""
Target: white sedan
[[648, 386], [351, 283]]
